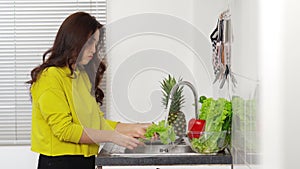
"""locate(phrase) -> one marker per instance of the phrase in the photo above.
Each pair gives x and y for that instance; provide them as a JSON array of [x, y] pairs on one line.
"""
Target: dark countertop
[[104, 159]]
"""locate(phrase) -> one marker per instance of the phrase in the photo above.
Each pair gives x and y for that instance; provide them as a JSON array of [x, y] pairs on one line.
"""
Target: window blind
[[27, 30]]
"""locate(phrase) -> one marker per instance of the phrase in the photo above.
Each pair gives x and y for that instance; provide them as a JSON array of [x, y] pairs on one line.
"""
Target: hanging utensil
[[221, 39]]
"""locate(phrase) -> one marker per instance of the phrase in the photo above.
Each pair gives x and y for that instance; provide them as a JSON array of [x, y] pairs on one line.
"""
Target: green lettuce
[[218, 116], [165, 132]]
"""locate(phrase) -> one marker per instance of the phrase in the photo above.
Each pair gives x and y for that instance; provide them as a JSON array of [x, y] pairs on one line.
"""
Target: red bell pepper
[[195, 127]]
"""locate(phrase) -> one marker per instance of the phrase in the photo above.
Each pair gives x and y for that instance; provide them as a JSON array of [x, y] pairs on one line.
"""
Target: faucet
[[175, 87]]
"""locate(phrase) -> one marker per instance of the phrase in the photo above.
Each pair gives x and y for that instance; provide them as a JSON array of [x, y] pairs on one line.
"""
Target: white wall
[[291, 83], [161, 47], [175, 40], [280, 83]]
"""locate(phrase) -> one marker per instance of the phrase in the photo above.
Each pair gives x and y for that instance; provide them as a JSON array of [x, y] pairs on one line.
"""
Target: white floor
[[16, 157]]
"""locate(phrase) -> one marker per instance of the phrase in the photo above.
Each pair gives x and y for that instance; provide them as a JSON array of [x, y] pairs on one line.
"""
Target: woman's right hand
[[124, 140], [91, 136]]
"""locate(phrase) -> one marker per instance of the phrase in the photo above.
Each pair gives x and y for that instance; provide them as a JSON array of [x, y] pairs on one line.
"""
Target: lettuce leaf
[[166, 133], [218, 116]]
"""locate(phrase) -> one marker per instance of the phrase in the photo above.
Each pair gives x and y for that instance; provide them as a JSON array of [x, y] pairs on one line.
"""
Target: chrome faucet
[[175, 87]]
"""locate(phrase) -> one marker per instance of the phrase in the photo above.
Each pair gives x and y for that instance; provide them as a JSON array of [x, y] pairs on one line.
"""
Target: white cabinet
[[171, 167]]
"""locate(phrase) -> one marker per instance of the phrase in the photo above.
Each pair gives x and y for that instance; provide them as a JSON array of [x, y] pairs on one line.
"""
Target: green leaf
[[166, 132], [218, 116]]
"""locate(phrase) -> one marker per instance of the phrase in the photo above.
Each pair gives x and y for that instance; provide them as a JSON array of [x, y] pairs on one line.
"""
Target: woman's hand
[[136, 130], [124, 140], [91, 136]]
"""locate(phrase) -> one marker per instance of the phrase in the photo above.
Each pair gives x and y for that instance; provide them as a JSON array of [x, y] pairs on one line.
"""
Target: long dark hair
[[70, 39]]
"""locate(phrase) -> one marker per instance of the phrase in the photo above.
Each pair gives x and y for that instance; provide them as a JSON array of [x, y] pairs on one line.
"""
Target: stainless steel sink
[[160, 149], [152, 149]]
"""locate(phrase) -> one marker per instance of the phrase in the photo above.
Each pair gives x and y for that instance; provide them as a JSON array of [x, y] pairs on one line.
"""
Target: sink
[[160, 149], [152, 149]]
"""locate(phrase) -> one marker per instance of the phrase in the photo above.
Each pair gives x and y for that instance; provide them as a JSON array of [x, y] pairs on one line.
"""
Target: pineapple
[[176, 118]]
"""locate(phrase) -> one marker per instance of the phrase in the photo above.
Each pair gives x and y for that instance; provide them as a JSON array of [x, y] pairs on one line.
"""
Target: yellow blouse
[[61, 107]]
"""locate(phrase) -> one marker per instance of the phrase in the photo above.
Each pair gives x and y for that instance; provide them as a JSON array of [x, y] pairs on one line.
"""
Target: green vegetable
[[202, 98], [217, 113], [210, 142], [166, 133], [218, 117]]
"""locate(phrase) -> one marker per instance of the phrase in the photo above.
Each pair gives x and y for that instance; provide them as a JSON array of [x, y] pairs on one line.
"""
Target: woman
[[67, 123]]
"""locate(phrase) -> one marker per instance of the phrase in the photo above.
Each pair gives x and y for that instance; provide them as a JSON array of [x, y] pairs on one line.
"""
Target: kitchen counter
[[114, 159]]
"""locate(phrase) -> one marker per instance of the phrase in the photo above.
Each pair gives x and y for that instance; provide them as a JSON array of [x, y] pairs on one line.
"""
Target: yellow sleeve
[[113, 124], [56, 112], [55, 109]]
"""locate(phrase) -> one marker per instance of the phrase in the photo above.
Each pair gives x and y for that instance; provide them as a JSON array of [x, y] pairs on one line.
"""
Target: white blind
[[27, 30]]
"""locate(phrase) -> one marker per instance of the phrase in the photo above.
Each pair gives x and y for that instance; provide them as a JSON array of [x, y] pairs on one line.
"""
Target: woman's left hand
[[136, 130]]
